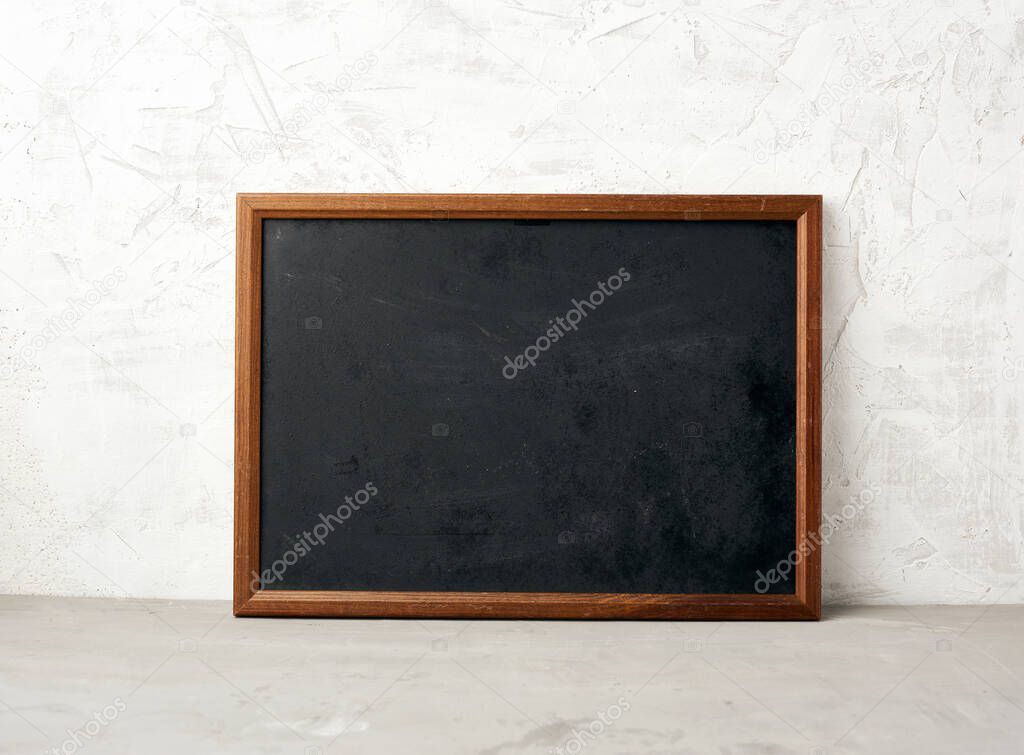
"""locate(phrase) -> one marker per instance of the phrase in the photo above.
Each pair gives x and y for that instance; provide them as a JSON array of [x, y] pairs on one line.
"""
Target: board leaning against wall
[[528, 406]]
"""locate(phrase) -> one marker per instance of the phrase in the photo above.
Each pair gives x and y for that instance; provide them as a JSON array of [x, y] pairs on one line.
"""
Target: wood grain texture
[[247, 402], [491, 605], [522, 206], [808, 407], [805, 210]]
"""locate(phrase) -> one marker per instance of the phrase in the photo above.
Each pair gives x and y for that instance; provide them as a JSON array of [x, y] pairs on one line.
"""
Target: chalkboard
[[544, 409]]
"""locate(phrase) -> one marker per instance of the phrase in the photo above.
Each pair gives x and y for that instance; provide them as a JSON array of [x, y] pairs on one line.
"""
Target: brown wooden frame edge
[[805, 210]]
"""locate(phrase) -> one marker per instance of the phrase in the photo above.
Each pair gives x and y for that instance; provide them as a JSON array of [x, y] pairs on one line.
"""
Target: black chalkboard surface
[[502, 405]]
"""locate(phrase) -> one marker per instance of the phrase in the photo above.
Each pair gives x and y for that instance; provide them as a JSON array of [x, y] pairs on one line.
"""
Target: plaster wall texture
[[128, 127]]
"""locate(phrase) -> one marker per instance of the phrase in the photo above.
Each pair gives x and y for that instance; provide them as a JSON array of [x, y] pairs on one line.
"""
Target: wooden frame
[[252, 209]]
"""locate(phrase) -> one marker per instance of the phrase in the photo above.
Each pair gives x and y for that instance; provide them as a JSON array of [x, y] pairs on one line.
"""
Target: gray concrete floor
[[124, 676]]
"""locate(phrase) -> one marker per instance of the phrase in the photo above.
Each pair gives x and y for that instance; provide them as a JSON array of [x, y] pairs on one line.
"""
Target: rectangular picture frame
[[803, 604]]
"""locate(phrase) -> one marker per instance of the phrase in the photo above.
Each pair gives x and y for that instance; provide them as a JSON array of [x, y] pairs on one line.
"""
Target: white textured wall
[[127, 128]]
